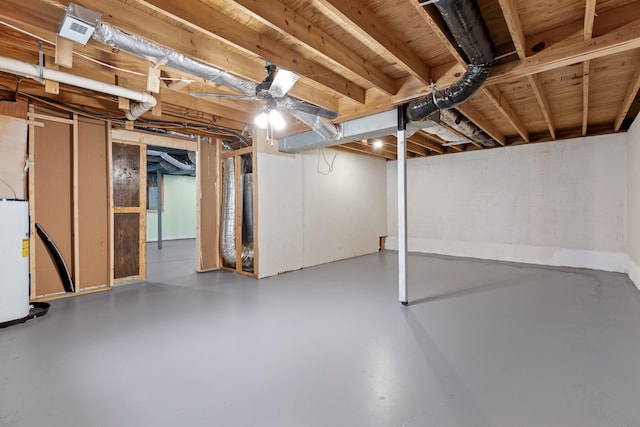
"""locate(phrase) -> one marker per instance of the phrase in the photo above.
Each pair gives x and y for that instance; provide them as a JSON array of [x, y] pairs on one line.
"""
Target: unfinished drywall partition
[[314, 211], [344, 205], [561, 203], [179, 214], [13, 150], [93, 204], [633, 202], [51, 203], [280, 220]]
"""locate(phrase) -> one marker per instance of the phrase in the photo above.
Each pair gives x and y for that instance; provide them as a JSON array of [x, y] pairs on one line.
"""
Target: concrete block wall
[[561, 203], [633, 202]]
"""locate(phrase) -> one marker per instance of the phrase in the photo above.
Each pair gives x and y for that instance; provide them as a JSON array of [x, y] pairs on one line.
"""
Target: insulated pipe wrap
[[465, 22]]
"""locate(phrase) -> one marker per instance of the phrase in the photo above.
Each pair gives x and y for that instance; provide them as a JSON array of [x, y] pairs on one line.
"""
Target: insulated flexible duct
[[229, 216], [465, 22], [138, 46], [229, 212]]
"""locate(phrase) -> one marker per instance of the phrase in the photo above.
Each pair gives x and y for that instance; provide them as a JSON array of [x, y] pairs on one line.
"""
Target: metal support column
[[159, 178], [402, 206]]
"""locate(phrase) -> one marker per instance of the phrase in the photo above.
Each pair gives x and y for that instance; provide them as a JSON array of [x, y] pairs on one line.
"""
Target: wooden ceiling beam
[[483, 123], [632, 92], [511, 16], [213, 23], [358, 18], [355, 146], [543, 102], [283, 19], [568, 53], [589, 17], [498, 100], [419, 138], [510, 12], [43, 18]]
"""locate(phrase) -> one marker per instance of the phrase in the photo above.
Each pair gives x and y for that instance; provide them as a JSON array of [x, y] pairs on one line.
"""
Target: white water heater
[[14, 259]]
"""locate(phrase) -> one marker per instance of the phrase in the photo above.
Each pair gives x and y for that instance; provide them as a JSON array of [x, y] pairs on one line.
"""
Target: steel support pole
[[402, 206], [159, 179]]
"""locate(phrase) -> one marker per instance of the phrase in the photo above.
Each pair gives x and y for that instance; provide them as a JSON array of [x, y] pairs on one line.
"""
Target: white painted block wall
[[309, 215], [633, 202], [561, 203]]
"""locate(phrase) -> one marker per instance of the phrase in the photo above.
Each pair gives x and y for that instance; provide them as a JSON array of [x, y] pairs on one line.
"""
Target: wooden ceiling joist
[[498, 100], [479, 119], [514, 23], [359, 19], [632, 92], [568, 53], [210, 22], [589, 17], [283, 19]]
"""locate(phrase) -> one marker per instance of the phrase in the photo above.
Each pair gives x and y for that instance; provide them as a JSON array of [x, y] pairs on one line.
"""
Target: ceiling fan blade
[[282, 83], [297, 105], [222, 96]]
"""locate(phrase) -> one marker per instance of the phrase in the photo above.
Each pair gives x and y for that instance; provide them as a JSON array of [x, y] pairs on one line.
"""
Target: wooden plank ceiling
[[569, 67]]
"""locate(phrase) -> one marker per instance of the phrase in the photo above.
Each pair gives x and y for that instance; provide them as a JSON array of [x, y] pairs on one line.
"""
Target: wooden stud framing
[[32, 205], [256, 249], [238, 210], [111, 207], [76, 207]]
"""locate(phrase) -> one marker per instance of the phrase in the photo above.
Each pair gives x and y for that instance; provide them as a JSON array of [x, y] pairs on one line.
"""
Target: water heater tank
[[14, 259]]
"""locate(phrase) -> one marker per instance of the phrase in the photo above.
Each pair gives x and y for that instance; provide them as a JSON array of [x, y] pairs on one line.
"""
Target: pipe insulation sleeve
[[33, 71]]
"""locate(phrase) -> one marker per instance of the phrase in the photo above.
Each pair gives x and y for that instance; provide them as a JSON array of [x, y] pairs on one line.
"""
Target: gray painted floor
[[482, 344]]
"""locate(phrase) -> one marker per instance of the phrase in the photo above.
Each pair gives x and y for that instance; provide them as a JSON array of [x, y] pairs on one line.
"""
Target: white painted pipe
[[33, 71]]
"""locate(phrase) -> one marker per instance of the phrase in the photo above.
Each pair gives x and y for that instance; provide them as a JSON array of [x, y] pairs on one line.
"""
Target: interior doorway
[[171, 190]]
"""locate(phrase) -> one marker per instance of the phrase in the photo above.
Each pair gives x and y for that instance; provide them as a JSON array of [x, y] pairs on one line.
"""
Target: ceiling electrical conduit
[[144, 103]]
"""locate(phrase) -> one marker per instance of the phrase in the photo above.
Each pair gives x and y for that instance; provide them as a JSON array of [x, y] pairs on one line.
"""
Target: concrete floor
[[482, 344]]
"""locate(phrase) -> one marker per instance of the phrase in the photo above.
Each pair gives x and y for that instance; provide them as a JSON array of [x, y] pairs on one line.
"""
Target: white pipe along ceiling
[[145, 102]]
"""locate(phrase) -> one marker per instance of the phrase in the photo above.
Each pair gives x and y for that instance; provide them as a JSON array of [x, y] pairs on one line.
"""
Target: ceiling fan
[[273, 90]]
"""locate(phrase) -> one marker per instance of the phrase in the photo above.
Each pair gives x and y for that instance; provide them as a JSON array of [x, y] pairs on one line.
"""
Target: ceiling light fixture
[[78, 23], [270, 118], [378, 144]]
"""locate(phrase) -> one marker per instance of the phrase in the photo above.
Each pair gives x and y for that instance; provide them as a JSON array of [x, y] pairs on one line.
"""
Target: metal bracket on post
[[402, 205]]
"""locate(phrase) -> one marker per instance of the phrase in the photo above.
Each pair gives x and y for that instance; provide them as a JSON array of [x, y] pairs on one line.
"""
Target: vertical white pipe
[[402, 209]]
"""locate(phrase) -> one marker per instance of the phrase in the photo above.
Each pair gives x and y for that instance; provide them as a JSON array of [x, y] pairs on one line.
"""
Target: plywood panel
[[16, 109], [207, 170], [53, 204], [93, 203], [126, 244], [126, 175], [13, 148]]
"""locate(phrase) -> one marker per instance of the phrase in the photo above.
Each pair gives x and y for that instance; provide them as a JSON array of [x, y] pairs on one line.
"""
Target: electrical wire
[[15, 196], [88, 58], [330, 165]]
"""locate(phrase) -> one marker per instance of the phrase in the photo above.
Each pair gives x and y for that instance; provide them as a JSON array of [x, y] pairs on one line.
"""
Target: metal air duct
[[146, 49]]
